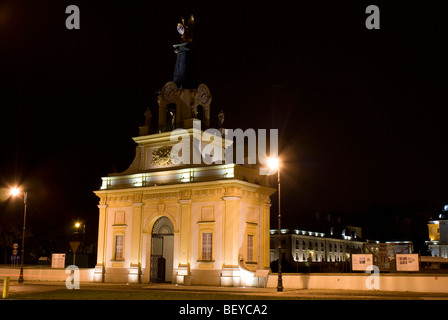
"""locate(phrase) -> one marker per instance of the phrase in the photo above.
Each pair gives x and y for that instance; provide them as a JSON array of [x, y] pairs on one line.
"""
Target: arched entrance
[[162, 251]]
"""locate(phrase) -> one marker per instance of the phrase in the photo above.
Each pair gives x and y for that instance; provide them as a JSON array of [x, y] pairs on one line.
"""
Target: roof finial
[[186, 30]]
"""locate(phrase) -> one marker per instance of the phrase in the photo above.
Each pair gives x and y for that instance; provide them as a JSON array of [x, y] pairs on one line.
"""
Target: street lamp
[[274, 165], [15, 192], [78, 225]]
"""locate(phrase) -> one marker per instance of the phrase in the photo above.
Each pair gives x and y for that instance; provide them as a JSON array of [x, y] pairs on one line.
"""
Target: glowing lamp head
[[77, 225], [273, 163], [15, 191]]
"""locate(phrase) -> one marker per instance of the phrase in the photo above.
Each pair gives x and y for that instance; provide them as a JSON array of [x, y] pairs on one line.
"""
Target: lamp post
[[274, 164], [15, 192], [80, 239]]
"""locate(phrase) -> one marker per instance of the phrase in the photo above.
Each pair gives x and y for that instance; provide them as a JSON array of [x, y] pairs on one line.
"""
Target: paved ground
[[169, 301], [101, 291]]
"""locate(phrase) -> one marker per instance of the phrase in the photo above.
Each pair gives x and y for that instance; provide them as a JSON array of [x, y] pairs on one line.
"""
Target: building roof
[[346, 234]]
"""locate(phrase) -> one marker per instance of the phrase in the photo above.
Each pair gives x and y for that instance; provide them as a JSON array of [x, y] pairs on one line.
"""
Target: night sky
[[361, 113]]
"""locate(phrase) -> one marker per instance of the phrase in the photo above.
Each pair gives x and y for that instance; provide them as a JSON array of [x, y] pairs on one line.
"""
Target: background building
[[301, 246], [438, 234]]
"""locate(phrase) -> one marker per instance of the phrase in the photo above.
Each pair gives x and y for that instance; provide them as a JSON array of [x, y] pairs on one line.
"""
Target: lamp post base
[[280, 284], [21, 275]]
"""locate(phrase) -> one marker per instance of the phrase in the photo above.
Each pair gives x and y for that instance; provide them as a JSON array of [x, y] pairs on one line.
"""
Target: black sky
[[361, 113]]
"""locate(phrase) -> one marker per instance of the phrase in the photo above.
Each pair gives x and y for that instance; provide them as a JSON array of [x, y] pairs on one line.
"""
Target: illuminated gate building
[[188, 224]]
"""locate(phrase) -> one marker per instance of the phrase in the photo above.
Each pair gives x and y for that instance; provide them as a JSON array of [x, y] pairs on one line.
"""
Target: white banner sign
[[58, 260], [361, 261], [407, 262]]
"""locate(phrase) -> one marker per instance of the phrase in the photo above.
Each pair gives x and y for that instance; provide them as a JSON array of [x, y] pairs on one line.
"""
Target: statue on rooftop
[[186, 30]]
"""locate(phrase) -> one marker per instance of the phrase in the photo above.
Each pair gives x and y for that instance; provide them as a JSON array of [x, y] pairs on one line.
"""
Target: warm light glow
[[77, 225], [139, 181], [15, 191], [230, 171], [273, 163], [186, 175], [105, 183]]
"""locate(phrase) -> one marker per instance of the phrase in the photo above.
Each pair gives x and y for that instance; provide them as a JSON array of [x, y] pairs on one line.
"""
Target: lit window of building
[[118, 254], [207, 246]]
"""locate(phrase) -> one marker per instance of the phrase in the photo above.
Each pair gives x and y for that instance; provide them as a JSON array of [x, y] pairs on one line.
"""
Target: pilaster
[[230, 270], [136, 243], [101, 253], [183, 270], [265, 252]]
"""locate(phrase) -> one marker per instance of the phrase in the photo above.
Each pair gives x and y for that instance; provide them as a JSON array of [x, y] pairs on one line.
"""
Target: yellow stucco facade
[[185, 224], [433, 231], [228, 209]]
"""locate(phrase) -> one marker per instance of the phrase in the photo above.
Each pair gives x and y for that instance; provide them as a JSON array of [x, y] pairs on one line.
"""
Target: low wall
[[360, 281], [45, 274], [331, 281]]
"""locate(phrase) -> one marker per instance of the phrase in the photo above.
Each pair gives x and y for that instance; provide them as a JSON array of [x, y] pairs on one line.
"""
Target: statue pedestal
[[184, 70]]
